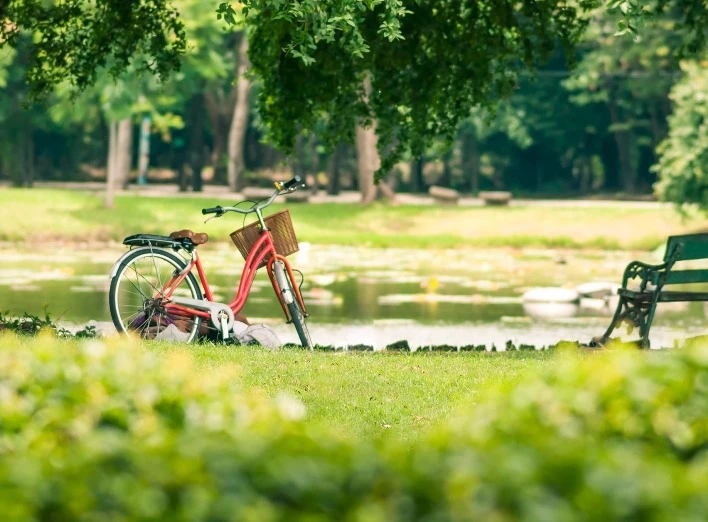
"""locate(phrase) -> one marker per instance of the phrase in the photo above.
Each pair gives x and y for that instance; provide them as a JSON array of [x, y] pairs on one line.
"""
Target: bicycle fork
[[287, 293]]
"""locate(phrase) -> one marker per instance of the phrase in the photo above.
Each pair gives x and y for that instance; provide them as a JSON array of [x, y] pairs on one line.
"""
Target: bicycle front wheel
[[137, 299], [296, 314]]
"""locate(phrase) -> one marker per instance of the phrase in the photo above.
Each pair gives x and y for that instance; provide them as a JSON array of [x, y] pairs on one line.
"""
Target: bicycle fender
[[117, 264]]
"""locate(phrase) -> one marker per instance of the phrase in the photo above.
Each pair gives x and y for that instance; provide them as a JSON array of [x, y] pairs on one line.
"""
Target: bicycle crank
[[222, 317]]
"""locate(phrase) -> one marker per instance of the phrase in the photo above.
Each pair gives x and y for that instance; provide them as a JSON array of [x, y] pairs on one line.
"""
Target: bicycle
[[153, 287]]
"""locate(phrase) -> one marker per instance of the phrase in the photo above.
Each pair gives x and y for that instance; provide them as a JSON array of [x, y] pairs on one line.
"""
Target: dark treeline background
[[591, 129]]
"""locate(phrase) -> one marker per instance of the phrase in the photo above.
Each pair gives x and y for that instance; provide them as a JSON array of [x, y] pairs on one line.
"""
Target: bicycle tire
[[297, 316], [147, 323]]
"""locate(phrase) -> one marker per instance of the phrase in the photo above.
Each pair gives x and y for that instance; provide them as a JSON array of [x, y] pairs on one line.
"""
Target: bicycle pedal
[[224, 328]]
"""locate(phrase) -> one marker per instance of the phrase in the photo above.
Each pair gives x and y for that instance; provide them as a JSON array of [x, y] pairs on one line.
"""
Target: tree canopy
[[683, 160], [430, 64], [74, 40]]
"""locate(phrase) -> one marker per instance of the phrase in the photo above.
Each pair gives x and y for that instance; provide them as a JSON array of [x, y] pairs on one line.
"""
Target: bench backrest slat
[[685, 277], [692, 246]]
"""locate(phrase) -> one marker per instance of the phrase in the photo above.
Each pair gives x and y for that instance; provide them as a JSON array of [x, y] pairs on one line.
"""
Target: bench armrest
[[648, 273]]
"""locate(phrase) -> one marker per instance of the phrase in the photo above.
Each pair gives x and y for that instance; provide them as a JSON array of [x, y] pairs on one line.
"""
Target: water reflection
[[388, 289], [551, 311]]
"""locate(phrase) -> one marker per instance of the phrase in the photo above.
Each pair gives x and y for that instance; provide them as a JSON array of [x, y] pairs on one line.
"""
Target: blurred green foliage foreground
[[107, 431]]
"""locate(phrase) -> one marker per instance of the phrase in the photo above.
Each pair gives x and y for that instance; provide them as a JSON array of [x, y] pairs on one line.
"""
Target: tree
[[74, 40], [204, 86], [631, 82], [683, 156], [16, 122], [239, 122], [509, 120], [429, 62]]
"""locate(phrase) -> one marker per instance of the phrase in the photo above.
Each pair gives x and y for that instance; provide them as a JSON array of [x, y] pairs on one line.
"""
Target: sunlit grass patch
[[79, 216]]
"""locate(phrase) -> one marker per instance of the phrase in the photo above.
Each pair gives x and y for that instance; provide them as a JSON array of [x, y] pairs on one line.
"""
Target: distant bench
[[258, 193], [445, 196], [637, 306], [495, 197]]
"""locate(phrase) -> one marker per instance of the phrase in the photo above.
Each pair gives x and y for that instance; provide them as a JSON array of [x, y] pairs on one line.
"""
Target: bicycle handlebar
[[213, 210], [288, 186], [295, 181]]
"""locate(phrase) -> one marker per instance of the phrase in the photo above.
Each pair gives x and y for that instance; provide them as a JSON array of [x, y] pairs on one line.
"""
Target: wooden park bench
[[446, 196], [495, 197], [637, 306]]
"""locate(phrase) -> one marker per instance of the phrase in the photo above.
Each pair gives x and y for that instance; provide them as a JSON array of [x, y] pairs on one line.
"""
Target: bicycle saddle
[[198, 238]]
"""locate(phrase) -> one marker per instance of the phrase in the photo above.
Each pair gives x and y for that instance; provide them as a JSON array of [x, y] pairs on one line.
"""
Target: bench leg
[[616, 320], [648, 318], [638, 313]]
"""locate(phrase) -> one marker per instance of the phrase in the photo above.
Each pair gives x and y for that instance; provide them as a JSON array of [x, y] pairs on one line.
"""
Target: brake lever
[[295, 187], [217, 215]]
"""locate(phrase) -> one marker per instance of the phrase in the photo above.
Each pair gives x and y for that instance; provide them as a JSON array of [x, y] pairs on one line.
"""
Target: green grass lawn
[[372, 394], [34, 215]]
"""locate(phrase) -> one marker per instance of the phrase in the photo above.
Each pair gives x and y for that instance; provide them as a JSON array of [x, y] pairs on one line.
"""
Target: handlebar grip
[[289, 184], [213, 210]]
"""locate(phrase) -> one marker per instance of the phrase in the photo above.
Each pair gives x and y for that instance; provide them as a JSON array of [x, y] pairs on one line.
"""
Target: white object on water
[[550, 295]]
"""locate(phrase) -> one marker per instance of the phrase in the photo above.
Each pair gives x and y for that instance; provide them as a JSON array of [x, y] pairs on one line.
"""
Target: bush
[[102, 431]]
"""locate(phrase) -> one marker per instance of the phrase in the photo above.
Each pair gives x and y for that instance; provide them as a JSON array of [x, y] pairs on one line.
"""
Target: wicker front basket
[[281, 229]]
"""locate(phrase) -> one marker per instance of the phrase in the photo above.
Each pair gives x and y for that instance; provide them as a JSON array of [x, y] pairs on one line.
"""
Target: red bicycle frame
[[263, 248]]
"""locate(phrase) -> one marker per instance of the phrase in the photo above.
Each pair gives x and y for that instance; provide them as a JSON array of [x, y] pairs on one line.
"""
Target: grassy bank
[[372, 395], [357, 395], [35, 215]]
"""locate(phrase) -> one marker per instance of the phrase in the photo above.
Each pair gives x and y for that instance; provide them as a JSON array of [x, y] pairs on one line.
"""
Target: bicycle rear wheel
[[137, 299]]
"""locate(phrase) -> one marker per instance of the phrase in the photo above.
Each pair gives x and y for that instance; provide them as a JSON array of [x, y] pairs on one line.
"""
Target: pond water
[[372, 296]]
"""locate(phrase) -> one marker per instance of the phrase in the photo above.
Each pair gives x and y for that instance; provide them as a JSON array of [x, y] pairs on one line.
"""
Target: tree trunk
[[29, 158], [658, 124], [297, 163], [124, 152], [623, 139], [217, 156], [111, 167], [385, 189], [239, 122], [144, 150], [334, 170], [314, 165], [17, 160], [445, 179], [220, 112], [417, 181], [369, 160], [470, 160], [196, 148]]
